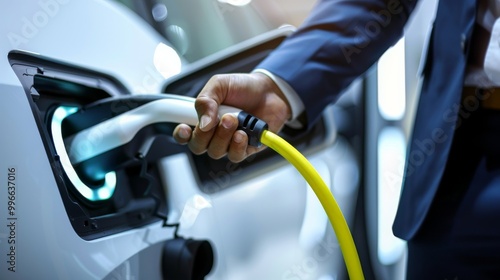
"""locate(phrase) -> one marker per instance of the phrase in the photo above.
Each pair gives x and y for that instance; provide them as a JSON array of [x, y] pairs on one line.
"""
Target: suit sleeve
[[337, 43]]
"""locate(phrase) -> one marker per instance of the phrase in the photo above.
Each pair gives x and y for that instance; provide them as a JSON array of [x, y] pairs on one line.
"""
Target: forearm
[[335, 45]]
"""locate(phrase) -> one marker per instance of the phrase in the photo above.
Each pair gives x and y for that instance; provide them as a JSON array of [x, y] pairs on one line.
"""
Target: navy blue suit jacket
[[341, 39]]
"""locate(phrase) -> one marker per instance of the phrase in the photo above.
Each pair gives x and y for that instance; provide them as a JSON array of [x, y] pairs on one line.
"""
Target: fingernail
[[238, 138], [204, 121], [227, 122], [183, 134]]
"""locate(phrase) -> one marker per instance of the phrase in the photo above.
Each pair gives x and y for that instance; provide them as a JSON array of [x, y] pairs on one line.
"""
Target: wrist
[[270, 86]]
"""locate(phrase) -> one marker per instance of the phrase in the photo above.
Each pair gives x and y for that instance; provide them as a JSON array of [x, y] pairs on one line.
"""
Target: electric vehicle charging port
[[126, 197]]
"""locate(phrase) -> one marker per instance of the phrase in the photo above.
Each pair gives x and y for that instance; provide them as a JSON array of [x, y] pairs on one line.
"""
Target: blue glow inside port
[[103, 192]]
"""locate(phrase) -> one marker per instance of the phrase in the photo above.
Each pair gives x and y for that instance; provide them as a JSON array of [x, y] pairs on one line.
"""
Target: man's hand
[[254, 93]]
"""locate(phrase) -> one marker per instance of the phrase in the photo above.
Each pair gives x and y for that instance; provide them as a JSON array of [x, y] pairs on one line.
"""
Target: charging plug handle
[[253, 127], [120, 130]]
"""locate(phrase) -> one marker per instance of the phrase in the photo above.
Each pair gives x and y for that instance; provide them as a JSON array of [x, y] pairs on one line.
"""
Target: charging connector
[[253, 127]]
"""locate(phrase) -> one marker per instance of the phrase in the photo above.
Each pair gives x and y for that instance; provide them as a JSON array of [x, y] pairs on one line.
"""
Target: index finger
[[208, 101]]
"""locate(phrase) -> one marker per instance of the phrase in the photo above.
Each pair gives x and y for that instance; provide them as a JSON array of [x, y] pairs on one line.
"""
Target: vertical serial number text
[[11, 218]]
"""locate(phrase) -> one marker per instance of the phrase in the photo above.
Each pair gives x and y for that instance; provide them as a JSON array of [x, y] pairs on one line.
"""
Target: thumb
[[207, 109], [211, 96]]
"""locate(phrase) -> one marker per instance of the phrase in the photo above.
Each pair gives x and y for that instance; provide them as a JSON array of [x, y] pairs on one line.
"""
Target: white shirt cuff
[[492, 57], [296, 104]]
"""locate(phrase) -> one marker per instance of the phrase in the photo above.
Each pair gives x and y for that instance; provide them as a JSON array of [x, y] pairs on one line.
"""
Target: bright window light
[[391, 83], [236, 2], [166, 61], [391, 158]]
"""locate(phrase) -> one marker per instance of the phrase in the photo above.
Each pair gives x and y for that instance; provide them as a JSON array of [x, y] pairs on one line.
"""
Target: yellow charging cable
[[324, 195]]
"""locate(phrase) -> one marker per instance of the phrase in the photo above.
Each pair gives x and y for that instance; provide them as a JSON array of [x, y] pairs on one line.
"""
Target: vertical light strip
[[390, 150], [391, 83], [390, 163]]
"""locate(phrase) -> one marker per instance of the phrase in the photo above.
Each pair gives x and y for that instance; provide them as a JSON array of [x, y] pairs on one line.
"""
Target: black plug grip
[[253, 127]]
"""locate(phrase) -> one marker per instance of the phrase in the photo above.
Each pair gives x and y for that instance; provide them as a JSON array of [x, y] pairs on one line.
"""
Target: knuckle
[[204, 104], [197, 144], [236, 157], [218, 78], [197, 150], [237, 153], [215, 154]]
